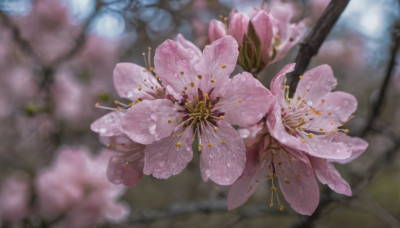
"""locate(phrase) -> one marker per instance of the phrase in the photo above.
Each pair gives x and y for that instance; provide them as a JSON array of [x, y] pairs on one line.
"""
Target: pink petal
[[321, 146], [150, 121], [356, 145], [245, 101], [121, 143], [293, 34], [336, 108], [174, 64], [238, 26], [248, 182], [297, 183], [109, 124], [316, 83], [223, 156], [118, 172], [166, 157], [217, 63], [327, 174], [216, 30], [134, 82], [277, 83], [189, 45], [264, 30]]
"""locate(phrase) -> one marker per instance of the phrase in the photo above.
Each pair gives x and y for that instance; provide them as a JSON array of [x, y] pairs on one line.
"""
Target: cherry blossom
[[201, 104]]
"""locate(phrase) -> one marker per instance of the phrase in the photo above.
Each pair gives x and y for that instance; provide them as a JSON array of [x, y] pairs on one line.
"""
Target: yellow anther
[[119, 109], [175, 135], [97, 105], [301, 76], [140, 88], [169, 120], [303, 140], [326, 133], [292, 159], [183, 91], [126, 164], [276, 36], [281, 208], [191, 84], [143, 53], [199, 76], [116, 102], [332, 123], [287, 86], [321, 129], [223, 65], [212, 80], [222, 142], [200, 147], [287, 181], [322, 100], [109, 145], [308, 90], [347, 130], [221, 117], [209, 145], [240, 100], [298, 98], [329, 113], [179, 144], [297, 176], [250, 187], [158, 77], [215, 129], [149, 48], [310, 135], [258, 181], [182, 72], [272, 188], [137, 101]]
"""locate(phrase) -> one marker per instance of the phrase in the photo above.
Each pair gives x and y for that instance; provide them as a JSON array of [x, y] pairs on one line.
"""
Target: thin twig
[[314, 40], [377, 104]]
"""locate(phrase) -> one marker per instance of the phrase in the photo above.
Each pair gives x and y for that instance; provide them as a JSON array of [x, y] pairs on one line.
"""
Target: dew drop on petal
[[208, 172], [152, 129], [154, 117]]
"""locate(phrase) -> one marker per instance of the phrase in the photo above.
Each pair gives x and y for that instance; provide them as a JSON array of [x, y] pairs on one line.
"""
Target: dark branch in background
[[314, 40], [384, 158], [204, 206], [377, 104], [17, 37]]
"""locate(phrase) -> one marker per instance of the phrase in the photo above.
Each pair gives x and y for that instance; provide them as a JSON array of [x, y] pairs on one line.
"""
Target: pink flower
[[305, 121], [292, 146], [201, 102], [14, 197], [267, 40], [76, 187]]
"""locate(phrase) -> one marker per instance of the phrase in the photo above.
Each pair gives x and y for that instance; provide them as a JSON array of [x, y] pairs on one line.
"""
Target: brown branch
[[314, 40]]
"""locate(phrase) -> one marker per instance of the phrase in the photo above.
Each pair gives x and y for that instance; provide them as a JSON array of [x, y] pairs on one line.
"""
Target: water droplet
[[154, 117], [229, 164], [152, 129], [208, 172], [102, 130]]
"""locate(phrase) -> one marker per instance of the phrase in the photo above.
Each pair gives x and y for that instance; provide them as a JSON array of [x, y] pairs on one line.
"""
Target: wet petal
[[297, 183], [292, 35], [134, 82], [217, 63], [277, 88], [174, 65], [121, 172], [335, 109], [246, 185], [356, 145], [169, 156], [109, 124], [327, 174], [321, 146], [189, 45], [150, 121], [223, 156], [316, 83], [245, 101]]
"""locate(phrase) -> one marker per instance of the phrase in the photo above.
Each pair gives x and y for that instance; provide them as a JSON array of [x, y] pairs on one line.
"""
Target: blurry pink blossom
[[201, 102], [14, 197], [75, 187], [264, 37]]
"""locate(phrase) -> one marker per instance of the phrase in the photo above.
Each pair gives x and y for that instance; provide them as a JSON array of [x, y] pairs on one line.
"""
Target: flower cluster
[[189, 103]]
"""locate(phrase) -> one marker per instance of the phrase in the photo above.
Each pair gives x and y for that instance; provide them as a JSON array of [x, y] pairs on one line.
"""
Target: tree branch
[[314, 40], [377, 104]]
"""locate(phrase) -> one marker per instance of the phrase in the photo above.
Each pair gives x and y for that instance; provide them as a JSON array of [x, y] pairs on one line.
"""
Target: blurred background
[[56, 63]]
